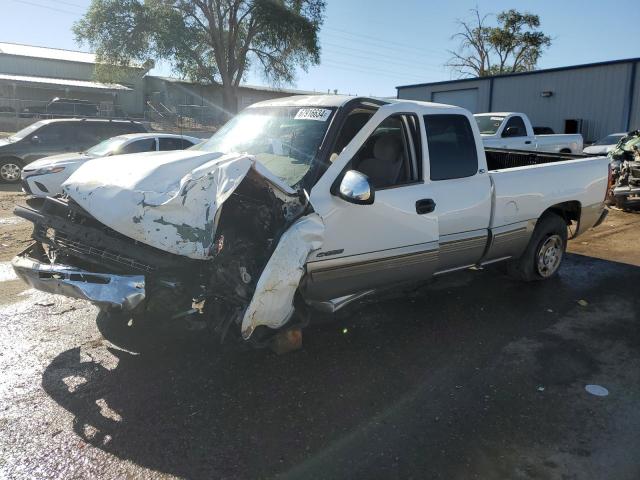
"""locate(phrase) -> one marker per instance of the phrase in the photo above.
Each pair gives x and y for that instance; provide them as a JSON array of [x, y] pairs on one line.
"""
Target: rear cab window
[[452, 147]]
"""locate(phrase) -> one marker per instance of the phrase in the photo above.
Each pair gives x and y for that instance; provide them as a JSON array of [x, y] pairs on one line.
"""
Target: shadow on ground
[[412, 385]]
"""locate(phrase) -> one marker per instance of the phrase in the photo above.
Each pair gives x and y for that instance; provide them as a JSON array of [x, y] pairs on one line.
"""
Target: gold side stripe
[[402, 261]]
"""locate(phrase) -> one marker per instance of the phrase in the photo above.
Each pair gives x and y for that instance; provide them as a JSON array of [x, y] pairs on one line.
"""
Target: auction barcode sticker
[[319, 114]]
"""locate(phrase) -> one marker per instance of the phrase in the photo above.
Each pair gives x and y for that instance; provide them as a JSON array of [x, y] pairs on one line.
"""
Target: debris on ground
[[597, 390]]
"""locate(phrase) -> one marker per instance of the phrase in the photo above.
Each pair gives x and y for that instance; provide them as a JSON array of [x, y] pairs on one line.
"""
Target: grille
[[101, 254]]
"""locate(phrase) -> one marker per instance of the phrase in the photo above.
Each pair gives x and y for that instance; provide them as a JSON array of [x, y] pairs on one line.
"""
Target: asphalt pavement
[[472, 375]]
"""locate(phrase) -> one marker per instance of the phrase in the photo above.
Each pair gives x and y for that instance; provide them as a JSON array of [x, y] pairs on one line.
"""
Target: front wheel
[[545, 252], [10, 170]]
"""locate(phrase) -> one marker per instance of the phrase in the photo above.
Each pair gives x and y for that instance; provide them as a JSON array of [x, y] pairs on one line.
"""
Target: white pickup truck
[[514, 131], [305, 202]]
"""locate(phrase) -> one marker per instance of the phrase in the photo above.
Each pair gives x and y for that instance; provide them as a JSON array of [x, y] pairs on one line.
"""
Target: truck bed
[[501, 159]]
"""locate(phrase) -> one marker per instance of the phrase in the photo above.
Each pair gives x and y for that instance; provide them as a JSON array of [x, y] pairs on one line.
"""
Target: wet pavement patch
[[562, 361]]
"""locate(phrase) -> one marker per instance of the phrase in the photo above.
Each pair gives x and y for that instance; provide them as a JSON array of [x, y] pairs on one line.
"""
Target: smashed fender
[[168, 200], [272, 302]]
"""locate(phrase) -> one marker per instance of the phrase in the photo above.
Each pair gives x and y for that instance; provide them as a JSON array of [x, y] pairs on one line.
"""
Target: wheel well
[[17, 160], [569, 211]]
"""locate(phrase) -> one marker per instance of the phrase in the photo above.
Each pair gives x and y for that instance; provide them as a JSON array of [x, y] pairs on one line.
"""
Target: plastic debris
[[549, 310], [583, 303], [597, 390], [540, 388]]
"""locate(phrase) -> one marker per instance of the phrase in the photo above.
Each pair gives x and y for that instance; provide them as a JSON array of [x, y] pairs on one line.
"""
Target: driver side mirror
[[356, 188]]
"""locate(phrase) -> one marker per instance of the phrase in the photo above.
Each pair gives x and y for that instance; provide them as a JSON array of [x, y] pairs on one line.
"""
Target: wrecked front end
[[624, 189], [210, 247]]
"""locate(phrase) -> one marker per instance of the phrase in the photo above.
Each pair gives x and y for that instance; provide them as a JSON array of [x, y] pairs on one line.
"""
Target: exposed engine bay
[[624, 188], [155, 283]]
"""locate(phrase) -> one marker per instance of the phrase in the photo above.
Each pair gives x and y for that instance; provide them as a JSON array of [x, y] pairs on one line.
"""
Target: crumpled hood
[[167, 200], [58, 159]]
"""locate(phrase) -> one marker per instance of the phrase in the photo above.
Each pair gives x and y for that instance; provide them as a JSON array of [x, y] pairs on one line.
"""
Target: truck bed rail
[[499, 159]]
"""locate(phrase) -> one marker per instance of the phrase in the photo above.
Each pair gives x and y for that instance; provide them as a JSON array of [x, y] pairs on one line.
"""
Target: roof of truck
[[309, 101], [334, 101], [497, 114]]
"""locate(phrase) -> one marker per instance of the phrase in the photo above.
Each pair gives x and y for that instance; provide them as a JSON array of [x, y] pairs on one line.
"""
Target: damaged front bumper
[[125, 292]]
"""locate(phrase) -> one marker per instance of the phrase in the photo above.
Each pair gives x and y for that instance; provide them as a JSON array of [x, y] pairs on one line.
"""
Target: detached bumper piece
[[120, 291]]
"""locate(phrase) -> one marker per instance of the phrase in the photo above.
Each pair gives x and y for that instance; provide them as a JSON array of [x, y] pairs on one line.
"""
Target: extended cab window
[[389, 156], [515, 128], [452, 147]]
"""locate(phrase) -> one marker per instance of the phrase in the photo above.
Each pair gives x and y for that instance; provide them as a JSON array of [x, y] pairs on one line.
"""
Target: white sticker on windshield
[[319, 114], [497, 119]]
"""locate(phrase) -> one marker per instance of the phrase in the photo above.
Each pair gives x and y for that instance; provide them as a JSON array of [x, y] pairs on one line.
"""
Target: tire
[[10, 169], [545, 251]]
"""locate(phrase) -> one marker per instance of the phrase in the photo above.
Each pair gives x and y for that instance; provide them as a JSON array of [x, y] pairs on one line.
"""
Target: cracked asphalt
[[469, 376]]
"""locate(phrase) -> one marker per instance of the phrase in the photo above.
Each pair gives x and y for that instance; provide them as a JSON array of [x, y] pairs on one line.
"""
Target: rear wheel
[[545, 252], [10, 169]]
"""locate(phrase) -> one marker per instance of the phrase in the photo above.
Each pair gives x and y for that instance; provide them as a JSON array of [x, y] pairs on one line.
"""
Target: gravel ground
[[469, 376]]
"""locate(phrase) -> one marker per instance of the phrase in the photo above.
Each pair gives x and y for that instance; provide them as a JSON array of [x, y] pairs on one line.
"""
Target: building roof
[[62, 82], [534, 72], [45, 52], [244, 86]]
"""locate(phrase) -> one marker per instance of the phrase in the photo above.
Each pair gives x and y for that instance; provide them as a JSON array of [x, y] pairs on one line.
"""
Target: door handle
[[426, 205], [528, 142]]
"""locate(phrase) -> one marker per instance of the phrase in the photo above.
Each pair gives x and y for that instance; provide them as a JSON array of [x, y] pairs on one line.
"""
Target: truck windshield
[[283, 139], [488, 124]]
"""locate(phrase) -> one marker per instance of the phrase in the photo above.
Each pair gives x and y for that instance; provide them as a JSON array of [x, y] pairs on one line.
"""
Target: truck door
[[460, 187], [514, 135], [391, 240]]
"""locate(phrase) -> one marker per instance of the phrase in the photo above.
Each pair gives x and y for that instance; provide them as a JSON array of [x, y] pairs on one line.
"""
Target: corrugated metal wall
[[595, 95], [131, 101], [598, 95], [635, 108], [425, 93]]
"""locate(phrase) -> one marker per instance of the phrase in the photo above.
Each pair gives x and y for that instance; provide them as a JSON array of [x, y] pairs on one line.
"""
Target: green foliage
[[207, 41], [514, 45]]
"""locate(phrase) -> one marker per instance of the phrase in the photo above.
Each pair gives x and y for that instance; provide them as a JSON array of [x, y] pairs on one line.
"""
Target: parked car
[[305, 202], [604, 145], [624, 187], [513, 130], [50, 137], [61, 107], [45, 177], [543, 131]]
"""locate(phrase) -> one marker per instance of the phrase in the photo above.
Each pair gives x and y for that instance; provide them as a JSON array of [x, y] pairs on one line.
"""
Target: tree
[[514, 45], [207, 41]]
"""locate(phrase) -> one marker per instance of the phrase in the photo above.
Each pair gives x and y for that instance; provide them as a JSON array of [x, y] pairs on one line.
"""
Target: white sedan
[[604, 145], [44, 177]]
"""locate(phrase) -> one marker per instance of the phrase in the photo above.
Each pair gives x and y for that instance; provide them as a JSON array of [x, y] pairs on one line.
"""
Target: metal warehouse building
[[593, 99]]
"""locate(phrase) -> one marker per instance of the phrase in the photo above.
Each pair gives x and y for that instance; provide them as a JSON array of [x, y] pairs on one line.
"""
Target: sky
[[371, 46]]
